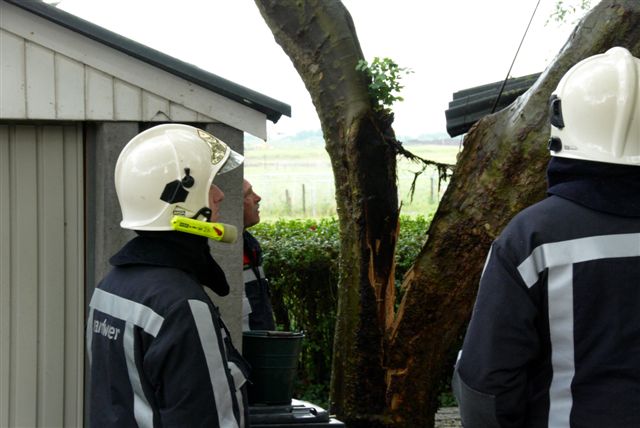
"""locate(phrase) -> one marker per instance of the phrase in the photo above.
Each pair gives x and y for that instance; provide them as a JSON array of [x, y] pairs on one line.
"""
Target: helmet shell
[[600, 110], [152, 175]]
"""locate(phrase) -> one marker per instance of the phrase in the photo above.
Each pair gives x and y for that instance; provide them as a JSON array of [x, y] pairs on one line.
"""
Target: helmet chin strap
[[204, 212]]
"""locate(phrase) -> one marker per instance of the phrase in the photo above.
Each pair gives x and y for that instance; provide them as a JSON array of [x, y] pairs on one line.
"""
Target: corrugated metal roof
[[272, 108], [470, 105]]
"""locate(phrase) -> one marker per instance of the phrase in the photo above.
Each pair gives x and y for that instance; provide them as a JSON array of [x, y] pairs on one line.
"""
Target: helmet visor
[[234, 160]]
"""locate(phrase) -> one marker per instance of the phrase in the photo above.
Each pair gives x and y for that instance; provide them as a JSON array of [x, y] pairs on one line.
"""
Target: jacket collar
[[606, 187], [251, 249], [189, 253]]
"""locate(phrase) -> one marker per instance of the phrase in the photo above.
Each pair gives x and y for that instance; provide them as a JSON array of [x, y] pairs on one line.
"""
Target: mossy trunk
[[319, 37], [388, 367]]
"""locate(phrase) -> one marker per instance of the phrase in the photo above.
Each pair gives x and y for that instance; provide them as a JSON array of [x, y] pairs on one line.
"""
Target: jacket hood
[[605, 187], [189, 253]]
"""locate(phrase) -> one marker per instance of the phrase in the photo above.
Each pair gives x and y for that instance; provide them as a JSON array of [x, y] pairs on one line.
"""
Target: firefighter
[[257, 313], [554, 338], [160, 354]]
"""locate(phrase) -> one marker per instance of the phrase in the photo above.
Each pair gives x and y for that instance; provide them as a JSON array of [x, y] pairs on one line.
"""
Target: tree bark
[[388, 367], [320, 38]]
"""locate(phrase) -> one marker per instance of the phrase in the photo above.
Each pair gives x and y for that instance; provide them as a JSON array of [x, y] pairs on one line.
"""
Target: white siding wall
[[41, 275], [39, 83], [49, 72]]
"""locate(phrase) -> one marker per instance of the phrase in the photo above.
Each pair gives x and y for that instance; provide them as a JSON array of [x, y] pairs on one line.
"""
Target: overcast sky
[[449, 45]]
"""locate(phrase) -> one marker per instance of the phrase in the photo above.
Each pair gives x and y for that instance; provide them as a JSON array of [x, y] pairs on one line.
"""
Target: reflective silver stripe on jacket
[[559, 258], [127, 310], [238, 378], [578, 250], [141, 408], [133, 314], [246, 311], [215, 363], [249, 275], [89, 334]]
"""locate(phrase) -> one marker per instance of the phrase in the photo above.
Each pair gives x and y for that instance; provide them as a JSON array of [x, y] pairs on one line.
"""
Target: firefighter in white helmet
[[160, 354], [554, 338]]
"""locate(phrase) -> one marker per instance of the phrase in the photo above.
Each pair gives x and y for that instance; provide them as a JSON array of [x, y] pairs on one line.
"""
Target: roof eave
[[272, 108]]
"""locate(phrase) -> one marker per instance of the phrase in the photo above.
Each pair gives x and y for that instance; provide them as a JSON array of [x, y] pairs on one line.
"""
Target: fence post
[[304, 201], [431, 194]]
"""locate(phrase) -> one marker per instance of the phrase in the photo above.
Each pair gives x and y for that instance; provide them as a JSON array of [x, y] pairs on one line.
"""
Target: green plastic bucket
[[273, 356]]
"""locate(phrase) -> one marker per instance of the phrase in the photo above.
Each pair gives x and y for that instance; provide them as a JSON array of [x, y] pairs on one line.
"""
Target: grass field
[[297, 182]]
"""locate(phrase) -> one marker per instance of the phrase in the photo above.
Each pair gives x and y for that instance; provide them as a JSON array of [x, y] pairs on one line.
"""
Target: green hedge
[[301, 262]]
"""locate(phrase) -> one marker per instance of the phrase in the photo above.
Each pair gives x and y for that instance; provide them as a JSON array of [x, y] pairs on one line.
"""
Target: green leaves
[[567, 8], [384, 81]]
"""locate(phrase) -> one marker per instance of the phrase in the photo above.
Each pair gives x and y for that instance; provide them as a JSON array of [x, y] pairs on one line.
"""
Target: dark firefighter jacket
[[159, 352], [554, 339], [256, 287]]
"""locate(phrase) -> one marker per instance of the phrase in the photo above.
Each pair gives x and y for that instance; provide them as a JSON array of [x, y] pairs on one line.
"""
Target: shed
[[71, 95]]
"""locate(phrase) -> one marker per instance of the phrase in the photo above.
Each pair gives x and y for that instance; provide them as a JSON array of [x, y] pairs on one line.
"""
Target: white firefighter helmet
[[167, 170], [595, 111]]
